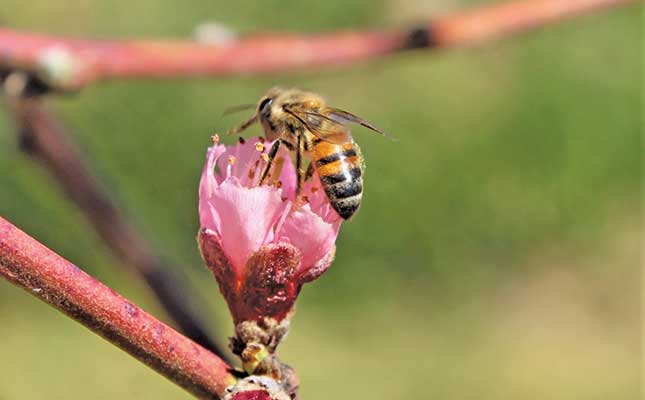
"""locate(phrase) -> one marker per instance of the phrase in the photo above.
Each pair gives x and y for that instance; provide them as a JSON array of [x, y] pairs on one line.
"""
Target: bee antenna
[[391, 138], [237, 108]]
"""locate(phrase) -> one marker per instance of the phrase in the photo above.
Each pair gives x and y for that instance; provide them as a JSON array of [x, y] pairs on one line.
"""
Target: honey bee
[[303, 123]]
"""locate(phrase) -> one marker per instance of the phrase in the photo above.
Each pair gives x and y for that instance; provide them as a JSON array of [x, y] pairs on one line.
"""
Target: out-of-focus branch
[[32, 266], [44, 138], [71, 63], [504, 19]]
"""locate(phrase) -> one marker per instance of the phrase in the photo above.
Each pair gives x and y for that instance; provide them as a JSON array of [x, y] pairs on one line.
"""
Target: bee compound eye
[[264, 104]]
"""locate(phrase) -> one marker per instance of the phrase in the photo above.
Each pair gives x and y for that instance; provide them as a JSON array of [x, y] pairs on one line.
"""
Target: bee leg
[[270, 157], [299, 171], [310, 171], [243, 126]]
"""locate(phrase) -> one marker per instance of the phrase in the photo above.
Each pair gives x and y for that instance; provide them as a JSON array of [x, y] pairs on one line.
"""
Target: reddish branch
[[502, 19], [44, 138], [32, 266], [72, 63]]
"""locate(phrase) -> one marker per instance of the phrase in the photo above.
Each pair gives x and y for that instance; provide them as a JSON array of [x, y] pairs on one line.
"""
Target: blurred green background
[[496, 254]]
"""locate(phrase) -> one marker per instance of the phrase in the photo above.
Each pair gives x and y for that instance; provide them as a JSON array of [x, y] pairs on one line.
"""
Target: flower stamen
[[253, 170], [278, 163], [237, 155], [229, 167], [283, 217]]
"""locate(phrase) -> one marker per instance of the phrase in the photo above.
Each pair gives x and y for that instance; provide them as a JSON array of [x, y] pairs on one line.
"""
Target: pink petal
[[208, 183], [318, 200], [288, 176], [309, 233], [321, 266], [247, 217]]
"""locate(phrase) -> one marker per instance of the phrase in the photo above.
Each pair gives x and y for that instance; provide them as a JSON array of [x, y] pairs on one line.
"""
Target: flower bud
[[262, 243]]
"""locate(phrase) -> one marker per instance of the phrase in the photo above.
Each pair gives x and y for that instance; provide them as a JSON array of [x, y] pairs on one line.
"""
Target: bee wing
[[344, 117], [322, 126]]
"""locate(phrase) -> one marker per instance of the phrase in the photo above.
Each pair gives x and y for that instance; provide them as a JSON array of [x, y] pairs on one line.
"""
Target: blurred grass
[[496, 252]]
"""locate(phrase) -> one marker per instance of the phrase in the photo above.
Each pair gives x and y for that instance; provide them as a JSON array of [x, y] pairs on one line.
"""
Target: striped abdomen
[[339, 167]]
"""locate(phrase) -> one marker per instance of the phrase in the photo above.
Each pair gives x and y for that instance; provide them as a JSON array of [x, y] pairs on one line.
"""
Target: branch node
[[58, 66], [215, 34], [419, 38]]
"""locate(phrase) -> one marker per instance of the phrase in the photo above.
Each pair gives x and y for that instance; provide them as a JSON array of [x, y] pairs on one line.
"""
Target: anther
[[215, 138], [231, 160], [259, 146], [265, 157]]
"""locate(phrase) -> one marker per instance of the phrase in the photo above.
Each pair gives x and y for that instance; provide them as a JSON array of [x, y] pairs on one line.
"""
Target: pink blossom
[[261, 243]]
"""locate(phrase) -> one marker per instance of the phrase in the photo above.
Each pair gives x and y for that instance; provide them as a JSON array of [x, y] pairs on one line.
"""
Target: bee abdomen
[[341, 175], [344, 191], [321, 162]]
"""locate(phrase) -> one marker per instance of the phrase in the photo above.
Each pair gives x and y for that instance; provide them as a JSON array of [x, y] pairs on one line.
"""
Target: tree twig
[[72, 63], [504, 19], [32, 266], [44, 138]]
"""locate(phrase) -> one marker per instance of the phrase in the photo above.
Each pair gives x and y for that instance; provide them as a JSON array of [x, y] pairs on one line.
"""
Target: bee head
[[264, 107], [269, 113], [269, 104]]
